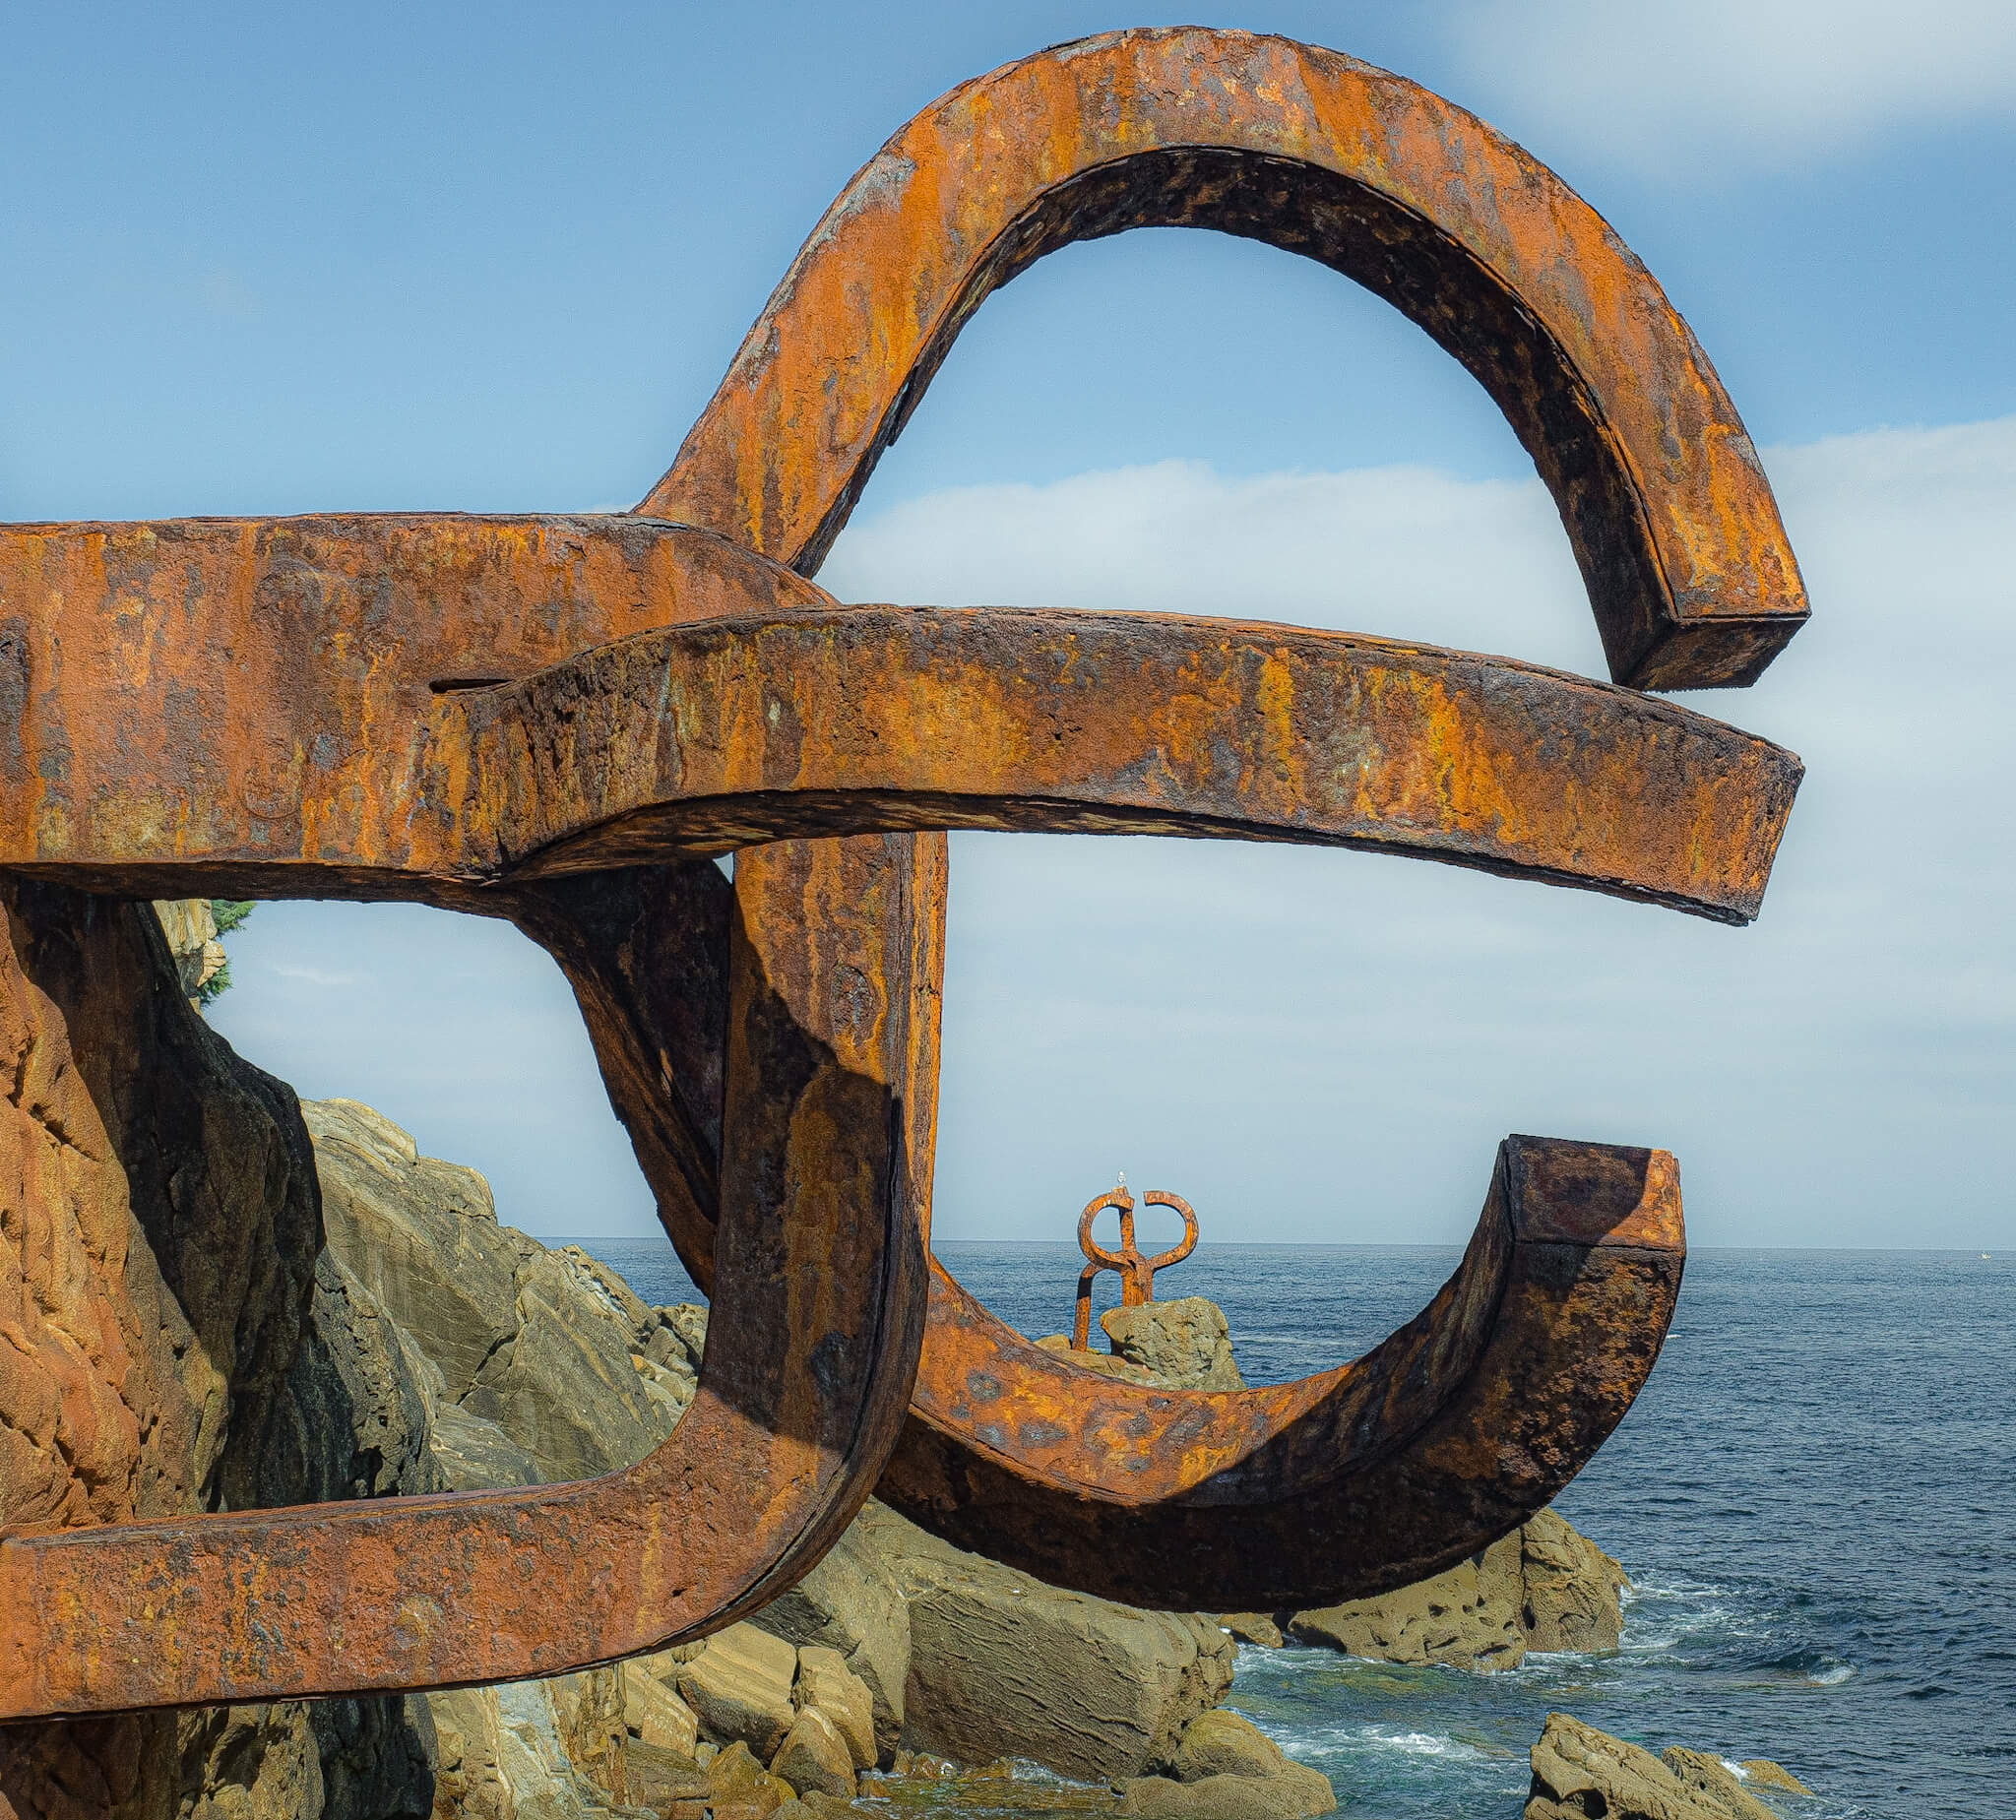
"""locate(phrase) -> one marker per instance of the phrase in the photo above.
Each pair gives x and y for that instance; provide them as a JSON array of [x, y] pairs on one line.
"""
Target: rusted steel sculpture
[[558, 719], [1136, 1272]]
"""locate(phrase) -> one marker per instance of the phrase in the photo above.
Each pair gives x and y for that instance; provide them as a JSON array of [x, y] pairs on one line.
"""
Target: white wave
[[1834, 1676], [1417, 1744], [1678, 1586]]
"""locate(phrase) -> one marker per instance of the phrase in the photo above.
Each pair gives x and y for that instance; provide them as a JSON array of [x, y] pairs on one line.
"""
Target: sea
[[1814, 1495]]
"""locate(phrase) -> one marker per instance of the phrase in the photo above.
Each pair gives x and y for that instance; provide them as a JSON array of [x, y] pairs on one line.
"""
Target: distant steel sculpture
[[558, 719], [1136, 1272]]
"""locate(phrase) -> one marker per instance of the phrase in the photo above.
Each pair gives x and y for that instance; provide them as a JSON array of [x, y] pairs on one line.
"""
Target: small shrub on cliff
[[227, 913]]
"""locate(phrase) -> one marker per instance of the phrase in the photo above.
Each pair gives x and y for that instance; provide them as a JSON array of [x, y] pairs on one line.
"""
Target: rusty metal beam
[[766, 725], [819, 1273], [1689, 569], [536, 717], [1357, 1480]]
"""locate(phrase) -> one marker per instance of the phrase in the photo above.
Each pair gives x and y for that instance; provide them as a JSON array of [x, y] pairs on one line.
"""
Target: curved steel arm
[[1688, 566], [820, 1278], [1450, 1433]]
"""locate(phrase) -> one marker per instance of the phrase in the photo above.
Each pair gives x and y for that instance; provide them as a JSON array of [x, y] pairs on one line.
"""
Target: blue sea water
[[1815, 1496]]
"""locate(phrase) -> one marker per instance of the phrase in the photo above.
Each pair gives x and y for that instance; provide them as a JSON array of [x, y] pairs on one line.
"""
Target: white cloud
[[1410, 550], [1328, 1045], [1791, 79]]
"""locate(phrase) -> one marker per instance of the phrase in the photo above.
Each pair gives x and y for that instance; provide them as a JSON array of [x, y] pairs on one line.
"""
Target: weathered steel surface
[[262, 692], [1448, 1434], [1671, 518], [543, 719], [717, 735], [819, 1273], [1136, 1272], [351, 772]]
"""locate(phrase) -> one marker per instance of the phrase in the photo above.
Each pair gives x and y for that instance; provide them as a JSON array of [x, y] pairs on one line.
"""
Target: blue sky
[[497, 258]]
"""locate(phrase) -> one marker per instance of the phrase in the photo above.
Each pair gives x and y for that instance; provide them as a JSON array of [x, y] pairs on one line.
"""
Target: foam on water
[[1815, 1497]]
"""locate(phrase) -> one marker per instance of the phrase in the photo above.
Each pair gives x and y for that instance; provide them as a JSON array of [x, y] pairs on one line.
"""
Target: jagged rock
[[1543, 1587], [1569, 1598], [852, 1603], [741, 1789], [420, 1235], [562, 1386], [470, 1781], [545, 1347], [1216, 1749], [533, 1758], [1252, 1627], [814, 1757], [590, 1717], [826, 1685], [740, 1687], [359, 1376], [1463, 1617], [1003, 1665], [1707, 1774], [160, 1258], [666, 1783], [189, 925], [1182, 1345], [1223, 1743], [471, 1453], [377, 1757], [1768, 1775], [258, 1763], [1579, 1772], [656, 1715]]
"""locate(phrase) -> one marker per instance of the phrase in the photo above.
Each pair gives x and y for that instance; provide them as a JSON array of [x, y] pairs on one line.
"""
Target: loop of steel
[[558, 719], [1136, 1272]]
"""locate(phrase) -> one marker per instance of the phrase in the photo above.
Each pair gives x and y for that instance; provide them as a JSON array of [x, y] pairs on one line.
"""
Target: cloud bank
[[1791, 80]]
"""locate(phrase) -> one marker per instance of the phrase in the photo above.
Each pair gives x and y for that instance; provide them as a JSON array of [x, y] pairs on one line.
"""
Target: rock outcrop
[[1225, 1768], [1580, 1772], [1542, 1588], [1182, 1345], [174, 1347], [540, 1365], [190, 926], [1003, 1665], [852, 1603]]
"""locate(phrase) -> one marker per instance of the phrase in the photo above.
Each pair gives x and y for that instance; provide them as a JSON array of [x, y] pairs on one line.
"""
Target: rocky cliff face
[[175, 1348]]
